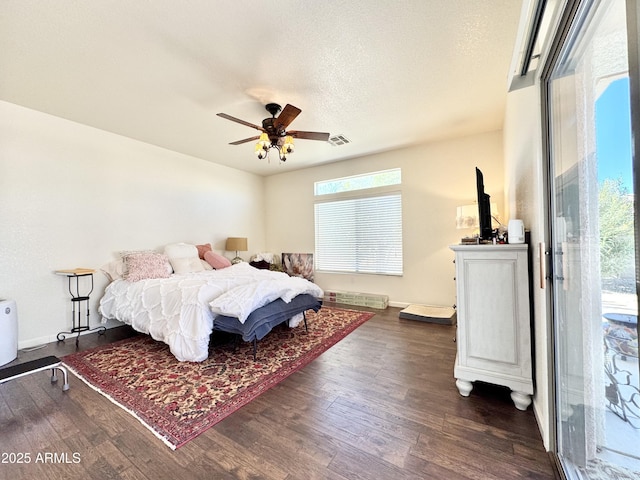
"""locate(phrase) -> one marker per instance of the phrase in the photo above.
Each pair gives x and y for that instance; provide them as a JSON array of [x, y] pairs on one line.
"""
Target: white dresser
[[494, 332]]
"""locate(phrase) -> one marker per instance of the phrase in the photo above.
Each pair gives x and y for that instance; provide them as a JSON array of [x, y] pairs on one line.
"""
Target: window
[[358, 223], [359, 182]]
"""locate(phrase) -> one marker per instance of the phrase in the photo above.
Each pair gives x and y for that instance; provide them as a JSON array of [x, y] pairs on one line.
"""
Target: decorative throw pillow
[[202, 249], [140, 266], [124, 253], [186, 265], [216, 261], [183, 258], [205, 265]]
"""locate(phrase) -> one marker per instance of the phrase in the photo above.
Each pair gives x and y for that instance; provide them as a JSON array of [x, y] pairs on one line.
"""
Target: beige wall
[[72, 196], [525, 196], [436, 178]]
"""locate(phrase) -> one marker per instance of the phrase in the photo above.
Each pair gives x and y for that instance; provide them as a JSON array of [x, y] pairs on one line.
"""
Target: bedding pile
[[179, 310]]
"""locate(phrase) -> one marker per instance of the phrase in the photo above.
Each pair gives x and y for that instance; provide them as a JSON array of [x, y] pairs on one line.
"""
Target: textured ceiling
[[384, 74]]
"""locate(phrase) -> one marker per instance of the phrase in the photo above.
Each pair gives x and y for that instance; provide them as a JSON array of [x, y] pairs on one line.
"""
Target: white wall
[[525, 195], [73, 196], [436, 178]]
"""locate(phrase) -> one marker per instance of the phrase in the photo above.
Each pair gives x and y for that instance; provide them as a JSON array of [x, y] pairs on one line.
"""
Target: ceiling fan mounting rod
[[273, 108]]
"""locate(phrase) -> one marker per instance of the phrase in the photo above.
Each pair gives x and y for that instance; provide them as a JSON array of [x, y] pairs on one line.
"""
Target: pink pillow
[[139, 266], [216, 261], [202, 249]]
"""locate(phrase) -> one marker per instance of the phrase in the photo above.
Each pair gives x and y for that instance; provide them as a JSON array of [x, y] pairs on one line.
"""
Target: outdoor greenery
[[616, 231]]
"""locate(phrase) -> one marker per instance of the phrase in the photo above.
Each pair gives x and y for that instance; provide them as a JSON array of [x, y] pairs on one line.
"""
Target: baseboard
[[40, 341], [541, 426], [399, 304]]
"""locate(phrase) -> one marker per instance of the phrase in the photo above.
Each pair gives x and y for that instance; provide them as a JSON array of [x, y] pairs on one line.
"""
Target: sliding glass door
[[592, 215]]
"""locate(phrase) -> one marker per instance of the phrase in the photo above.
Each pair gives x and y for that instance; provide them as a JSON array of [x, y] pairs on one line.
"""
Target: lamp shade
[[236, 244], [467, 216]]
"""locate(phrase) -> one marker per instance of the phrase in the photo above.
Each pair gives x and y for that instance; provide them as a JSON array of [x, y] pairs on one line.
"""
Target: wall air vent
[[338, 140]]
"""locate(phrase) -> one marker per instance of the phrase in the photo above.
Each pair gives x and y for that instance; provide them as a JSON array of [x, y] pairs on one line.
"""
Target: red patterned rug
[[178, 401]]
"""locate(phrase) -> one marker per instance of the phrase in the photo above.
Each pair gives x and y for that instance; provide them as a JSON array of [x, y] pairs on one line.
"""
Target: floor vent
[[338, 140], [353, 298]]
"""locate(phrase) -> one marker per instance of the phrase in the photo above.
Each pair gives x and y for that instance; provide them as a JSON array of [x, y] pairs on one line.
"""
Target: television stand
[[494, 332]]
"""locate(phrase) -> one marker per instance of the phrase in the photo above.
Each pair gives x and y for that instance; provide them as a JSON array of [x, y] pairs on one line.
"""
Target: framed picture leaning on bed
[[298, 265]]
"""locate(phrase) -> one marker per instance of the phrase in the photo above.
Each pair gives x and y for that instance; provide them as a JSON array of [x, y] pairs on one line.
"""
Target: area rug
[[178, 401]]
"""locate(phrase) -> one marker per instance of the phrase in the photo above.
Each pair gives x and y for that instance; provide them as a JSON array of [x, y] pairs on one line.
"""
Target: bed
[[182, 309]]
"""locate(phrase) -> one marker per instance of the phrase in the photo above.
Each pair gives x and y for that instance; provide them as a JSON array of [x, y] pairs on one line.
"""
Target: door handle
[[542, 255]]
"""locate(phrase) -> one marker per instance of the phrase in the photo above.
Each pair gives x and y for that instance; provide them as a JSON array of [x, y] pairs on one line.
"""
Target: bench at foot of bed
[[264, 319], [238, 337]]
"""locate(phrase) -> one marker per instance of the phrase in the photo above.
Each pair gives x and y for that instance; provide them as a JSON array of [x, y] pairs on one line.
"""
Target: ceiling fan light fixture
[[264, 141], [260, 151], [288, 144]]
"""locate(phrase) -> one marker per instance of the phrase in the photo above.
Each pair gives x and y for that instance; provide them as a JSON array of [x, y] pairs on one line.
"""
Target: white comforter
[[179, 310]]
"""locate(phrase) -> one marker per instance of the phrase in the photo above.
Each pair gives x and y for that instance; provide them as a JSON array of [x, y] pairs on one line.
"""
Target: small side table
[[74, 277]]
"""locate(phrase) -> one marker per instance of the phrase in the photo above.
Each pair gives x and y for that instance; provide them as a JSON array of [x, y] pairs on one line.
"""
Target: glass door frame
[[570, 14], [567, 17], [633, 47]]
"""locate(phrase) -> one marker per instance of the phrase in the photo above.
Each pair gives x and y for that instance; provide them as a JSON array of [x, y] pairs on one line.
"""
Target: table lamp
[[237, 244], [467, 216]]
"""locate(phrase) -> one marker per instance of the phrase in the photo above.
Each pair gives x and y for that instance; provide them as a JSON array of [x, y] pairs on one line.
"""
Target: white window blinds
[[360, 235]]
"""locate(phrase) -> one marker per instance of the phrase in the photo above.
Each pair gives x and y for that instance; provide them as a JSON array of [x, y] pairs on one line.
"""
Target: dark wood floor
[[381, 404]]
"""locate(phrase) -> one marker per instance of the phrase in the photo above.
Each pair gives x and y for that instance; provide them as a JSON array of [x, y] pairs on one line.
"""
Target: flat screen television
[[484, 208]]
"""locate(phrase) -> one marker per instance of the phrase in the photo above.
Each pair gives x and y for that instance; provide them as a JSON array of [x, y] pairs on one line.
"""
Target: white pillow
[[186, 265], [183, 257], [113, 270]]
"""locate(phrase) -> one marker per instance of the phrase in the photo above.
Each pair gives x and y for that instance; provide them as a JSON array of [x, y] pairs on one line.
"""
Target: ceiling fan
[[274, 131]]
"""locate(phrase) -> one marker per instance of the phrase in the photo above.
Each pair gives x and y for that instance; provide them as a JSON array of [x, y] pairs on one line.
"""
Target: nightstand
[[74, 277]]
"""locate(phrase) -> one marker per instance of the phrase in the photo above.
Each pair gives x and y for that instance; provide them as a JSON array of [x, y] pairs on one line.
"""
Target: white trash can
[[8, 331]]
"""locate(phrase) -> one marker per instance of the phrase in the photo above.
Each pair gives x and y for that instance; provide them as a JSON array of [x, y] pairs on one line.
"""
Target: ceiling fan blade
[[237, 120], [287, 116], [238, 142], [323, 137]]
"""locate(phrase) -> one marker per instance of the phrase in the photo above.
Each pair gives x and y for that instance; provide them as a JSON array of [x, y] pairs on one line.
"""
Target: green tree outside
[[617, 258]]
